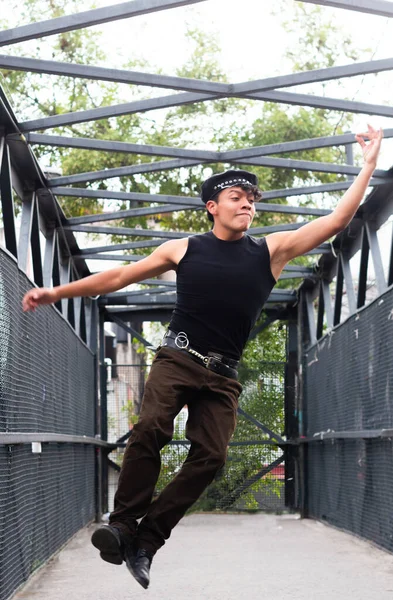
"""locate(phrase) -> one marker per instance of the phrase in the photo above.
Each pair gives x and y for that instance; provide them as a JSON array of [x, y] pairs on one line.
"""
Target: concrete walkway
[[228, 557]]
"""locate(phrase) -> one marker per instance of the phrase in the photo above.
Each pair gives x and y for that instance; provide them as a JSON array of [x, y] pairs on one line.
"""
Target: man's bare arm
[[284, 246], [164, 258]]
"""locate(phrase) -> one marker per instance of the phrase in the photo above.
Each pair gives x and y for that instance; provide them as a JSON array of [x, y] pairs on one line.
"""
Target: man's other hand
[[38, 296]]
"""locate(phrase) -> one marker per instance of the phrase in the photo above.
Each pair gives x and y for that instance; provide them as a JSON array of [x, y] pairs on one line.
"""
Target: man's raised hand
[[371, 149]]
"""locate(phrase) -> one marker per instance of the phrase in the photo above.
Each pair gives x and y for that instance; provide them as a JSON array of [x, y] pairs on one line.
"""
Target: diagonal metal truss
[[62, 260]]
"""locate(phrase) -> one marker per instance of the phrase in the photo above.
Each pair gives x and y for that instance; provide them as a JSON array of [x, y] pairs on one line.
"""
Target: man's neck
[[226, 235]]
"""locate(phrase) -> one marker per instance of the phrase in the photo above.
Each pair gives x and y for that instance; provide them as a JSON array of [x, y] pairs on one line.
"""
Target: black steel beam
[[163, 314], [247, 90], [49, 259], [129, 231], [129, 329], [27, 176], [390, 271], [51, 67], [88, 18], [190, 98], [121, 298], [116, 247], [149, 167], [136, 258], [114, 146], [298, 145], [318, 189], [166, 282], [150, 290], [326, 74], [363, 269], [184, 201], [140, 314], [373, 7], [36, 247], [194, 85], [142, 244], [25, 230], [117, 110], [269, 195], [306, 165], [187, 98], [323, 102], [7, 200], [376, 256], [327, 300], [321, 310], [130, 196], [173, 234], [169, 208], [338, 294], [234, 495], [322, 249], [116, 257], [133, 212]]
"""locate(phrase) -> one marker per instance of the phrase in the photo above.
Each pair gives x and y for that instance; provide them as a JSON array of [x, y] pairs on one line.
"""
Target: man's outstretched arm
[[163, 259], [284, 246]]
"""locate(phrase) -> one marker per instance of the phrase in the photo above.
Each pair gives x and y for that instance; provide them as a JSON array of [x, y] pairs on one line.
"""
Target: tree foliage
[[221, 124]]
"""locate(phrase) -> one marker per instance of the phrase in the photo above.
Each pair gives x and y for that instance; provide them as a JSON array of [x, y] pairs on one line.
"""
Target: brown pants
[[175, 380]]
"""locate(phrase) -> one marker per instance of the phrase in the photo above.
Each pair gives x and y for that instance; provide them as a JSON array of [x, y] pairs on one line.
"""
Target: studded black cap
[[213, 185]]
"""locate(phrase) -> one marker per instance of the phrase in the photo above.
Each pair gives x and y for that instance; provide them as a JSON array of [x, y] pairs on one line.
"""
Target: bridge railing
[[48, 412], [348, 424]]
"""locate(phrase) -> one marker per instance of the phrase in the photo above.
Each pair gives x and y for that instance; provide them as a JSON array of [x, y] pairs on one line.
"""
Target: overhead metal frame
[[21, 175], [63, 260]]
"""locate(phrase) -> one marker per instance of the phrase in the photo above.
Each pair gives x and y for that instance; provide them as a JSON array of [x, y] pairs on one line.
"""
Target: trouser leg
[[165, 395], [210, 425]]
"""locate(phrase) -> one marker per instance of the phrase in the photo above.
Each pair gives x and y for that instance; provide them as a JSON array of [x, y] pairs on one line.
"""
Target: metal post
[[93, 325], [7, 201], [349, 157], [303, 339], [103, 413], [98, 450], [291, 422]]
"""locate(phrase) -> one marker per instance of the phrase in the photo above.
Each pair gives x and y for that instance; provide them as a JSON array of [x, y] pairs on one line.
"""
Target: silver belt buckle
[[208, 360], [182, 341]]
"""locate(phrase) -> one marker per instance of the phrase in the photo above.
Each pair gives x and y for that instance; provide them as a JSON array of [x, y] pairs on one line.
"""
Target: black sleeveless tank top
[[221, 289]]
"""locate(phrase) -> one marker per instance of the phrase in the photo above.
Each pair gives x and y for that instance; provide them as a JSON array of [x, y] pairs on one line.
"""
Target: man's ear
[[211, 206]]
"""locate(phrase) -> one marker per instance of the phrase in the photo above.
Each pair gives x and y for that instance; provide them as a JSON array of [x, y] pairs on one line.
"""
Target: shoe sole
[[106, 541]]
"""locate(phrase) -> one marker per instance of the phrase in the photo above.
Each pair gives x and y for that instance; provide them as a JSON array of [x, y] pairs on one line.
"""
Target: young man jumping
[[224, 277]]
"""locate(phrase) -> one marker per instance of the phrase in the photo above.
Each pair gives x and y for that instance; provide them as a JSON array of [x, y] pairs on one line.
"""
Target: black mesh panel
[[348, 388], [46, 385]]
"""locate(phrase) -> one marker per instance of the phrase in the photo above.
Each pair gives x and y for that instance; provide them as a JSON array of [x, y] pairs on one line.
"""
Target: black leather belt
[[213, 361]]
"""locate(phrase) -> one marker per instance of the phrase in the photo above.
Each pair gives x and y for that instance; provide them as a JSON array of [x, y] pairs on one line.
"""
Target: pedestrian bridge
[[211, 557], [315, 431]]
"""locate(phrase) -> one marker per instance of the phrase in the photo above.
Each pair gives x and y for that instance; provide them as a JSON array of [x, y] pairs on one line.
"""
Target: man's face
[[234, 208]]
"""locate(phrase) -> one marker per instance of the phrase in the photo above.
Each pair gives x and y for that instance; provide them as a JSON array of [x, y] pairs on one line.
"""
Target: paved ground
[[228, 557]]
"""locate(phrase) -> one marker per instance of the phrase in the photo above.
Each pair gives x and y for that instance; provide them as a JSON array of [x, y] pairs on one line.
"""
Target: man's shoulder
[[259, 242]]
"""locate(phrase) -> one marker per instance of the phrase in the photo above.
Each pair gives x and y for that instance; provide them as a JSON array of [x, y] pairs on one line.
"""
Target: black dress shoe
[[110, 541], [140, 567]]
